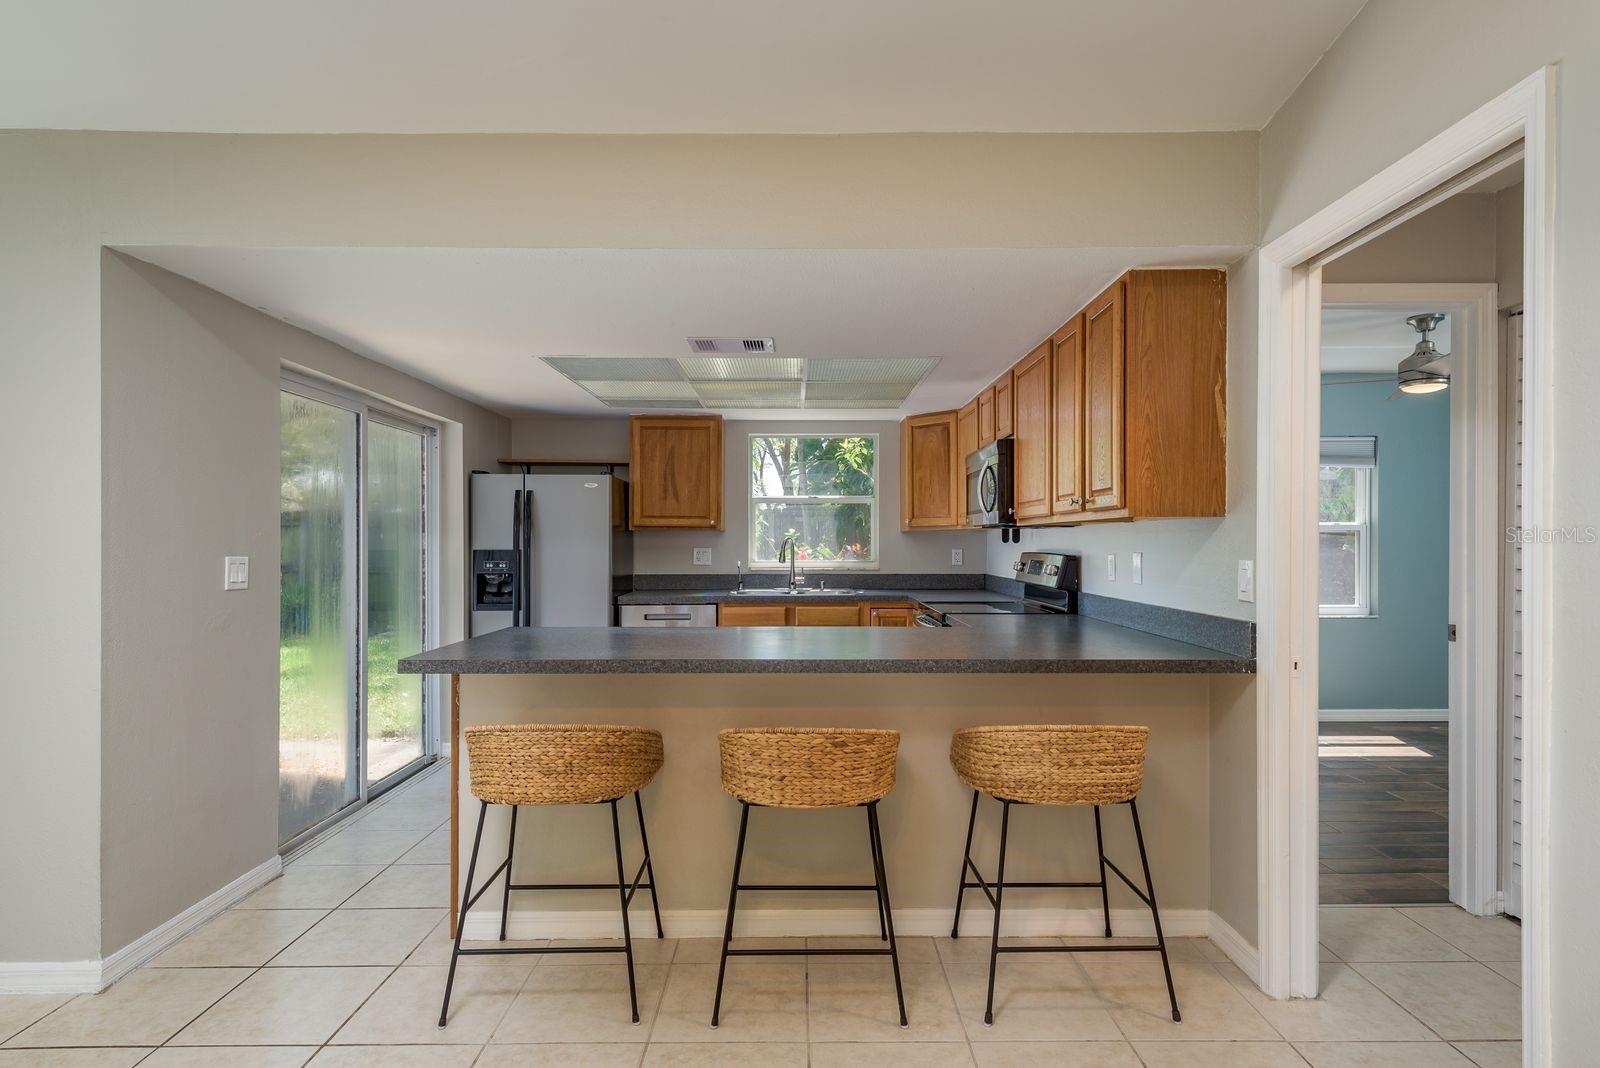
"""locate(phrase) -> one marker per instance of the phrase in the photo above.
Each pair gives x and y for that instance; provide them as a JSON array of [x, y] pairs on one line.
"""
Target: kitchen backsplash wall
[[671, 552]]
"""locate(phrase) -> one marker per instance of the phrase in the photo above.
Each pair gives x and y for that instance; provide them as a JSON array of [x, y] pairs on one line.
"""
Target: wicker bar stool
[[559, 764], [1055, 765], [810, 767]]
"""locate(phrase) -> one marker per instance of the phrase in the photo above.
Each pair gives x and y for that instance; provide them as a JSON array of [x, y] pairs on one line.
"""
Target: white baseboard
[[1234, 945], [779, 923], [1383, 715], [92, 976]]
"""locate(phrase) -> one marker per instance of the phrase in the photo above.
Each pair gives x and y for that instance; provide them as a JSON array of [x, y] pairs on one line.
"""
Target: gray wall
[[1361, 109], [189, 723], [1188, 563], [1452, 242], [671, 552]]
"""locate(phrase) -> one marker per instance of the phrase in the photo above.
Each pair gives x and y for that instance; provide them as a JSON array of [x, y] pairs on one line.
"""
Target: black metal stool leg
[[966, 860], [1100, 851], [511, 852], [622, 894], [881, 874], [461, 918], [999, 894], [883, 923], [649, 868], [1150, 892], [733, 897]]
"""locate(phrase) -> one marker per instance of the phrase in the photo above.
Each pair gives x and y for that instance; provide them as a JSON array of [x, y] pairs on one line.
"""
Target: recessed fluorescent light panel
[[734, 382]]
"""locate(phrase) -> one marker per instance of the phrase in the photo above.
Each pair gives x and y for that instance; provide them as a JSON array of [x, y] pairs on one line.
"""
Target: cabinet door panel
[[827, 615], [1031, 389], [929, 478], [675, 472], [1004, 426], [891, 617], [1103, 359], [986, 417], [753, 615], [1067, 430]]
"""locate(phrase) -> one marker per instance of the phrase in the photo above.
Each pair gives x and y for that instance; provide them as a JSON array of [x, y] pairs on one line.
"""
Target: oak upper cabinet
[[966, 445], [985, 403], [930, 473], [675, 472], [1030, 455], [1066, 431], [1003, 408], [1103, 352]]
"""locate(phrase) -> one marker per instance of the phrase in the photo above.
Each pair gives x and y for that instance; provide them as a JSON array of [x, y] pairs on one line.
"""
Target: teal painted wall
[[1398, 658]]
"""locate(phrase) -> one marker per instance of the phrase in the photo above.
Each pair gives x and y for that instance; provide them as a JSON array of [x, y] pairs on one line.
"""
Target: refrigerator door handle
[[527, 554], [516, 544]]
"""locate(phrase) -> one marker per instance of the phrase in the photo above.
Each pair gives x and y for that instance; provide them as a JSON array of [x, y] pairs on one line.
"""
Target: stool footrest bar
[[490, 950], [803, 886]]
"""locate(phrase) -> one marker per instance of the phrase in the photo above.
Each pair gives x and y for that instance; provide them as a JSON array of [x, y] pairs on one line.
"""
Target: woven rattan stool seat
[[560, 763], [808, 767], [1052, 765]]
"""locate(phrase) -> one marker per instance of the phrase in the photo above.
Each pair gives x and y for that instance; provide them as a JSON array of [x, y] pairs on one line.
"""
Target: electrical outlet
[[1138, 569], [702, 556], [236, 572], [955, 557], [1247, 580], [1111, 567]]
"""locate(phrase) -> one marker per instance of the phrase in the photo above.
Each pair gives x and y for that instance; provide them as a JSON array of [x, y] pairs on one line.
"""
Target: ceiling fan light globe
[[1431, 384]]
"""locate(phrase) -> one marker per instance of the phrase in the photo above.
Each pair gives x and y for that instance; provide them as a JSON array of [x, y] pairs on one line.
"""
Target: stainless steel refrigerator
[[548, 550]]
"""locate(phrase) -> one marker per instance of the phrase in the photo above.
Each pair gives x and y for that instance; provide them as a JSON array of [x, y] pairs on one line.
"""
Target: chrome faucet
[[787, 555]]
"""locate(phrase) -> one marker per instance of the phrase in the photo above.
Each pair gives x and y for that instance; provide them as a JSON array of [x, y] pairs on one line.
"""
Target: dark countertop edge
[[790, 666]]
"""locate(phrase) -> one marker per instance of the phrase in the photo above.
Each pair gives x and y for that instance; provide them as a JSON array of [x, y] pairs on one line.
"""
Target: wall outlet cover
[[1247, 580], [955, 557], [702, 556]]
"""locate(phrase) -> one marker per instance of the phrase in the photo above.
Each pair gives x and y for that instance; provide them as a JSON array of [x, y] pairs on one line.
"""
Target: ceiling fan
[[1419, 372]]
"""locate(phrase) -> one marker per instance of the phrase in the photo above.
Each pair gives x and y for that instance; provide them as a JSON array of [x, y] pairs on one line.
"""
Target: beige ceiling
[[692, 66], [473, 321]]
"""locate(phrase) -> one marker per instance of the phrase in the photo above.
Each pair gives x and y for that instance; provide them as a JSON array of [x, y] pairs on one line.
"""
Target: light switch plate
[[1247, 580], [1111, 567], [955, 557], [236, 572], [1138, 569], [702, 556]]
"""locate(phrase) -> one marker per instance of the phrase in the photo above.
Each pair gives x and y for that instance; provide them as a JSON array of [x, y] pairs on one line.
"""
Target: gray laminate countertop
[[814, 596], [978, 644]]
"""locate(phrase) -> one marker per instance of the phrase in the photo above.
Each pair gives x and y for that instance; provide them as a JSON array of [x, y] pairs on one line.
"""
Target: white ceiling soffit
[[1362, 338], [694, 66], [473, 321]]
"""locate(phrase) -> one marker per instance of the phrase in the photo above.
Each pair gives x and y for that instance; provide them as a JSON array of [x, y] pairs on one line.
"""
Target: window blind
[[1349, 452]]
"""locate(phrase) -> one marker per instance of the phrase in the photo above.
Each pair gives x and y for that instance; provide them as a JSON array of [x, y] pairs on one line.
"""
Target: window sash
[[755, 501], [1361, 527]]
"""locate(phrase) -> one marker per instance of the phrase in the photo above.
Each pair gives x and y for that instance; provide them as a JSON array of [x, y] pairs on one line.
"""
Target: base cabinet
[[888, 616]]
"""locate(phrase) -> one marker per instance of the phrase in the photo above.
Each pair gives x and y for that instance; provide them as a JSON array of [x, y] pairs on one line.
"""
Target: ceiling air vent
[[732, 344]]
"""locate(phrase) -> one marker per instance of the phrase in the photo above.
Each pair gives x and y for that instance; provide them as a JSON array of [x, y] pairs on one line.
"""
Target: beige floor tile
[[284, 1007], [395, 1056], [406, 1007], [352, 937], [1480, 937], [731, 1055], [1348, 1007], [762, 1001], [1493, 1054], [146, 1008], [913, 950], [243, 938], [563, 1055], [854, 1001], [1034, 1001], [891, 1054], [1459, 1001], [646, 950], [974, 947], [1218, 1055], [582, 1004], [1056, 1054], [1510, 969], [405, 814], [1325, 954], [434, 849], [360, 845], [312, 886], [406, 886], [1381, 1055], [71, 1058], [435, 949], [19, 1010], [709, 950], [232, 1056], [1367, 934], [1136, 995]]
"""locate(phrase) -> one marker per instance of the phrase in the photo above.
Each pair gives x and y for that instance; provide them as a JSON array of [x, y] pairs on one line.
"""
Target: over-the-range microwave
[[989, 487]]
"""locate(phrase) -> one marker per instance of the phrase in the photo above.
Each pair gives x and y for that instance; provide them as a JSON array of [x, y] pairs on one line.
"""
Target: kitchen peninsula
[[924, 682]]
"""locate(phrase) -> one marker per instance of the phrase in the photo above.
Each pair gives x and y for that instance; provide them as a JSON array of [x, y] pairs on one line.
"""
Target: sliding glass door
[[355, 597]]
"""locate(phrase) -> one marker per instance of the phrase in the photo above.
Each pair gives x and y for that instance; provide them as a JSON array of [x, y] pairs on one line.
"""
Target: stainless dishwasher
[[667, 615]]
